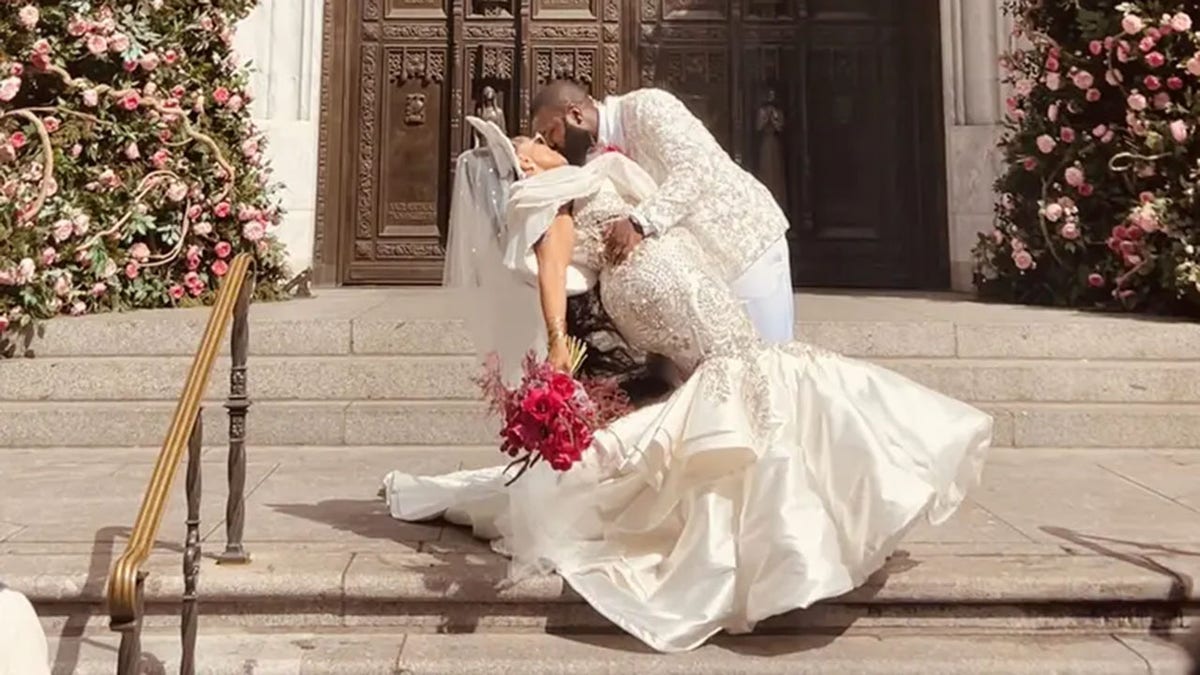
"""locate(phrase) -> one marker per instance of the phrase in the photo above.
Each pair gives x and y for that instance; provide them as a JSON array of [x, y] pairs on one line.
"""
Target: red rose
[[563, 386], [540, 405]]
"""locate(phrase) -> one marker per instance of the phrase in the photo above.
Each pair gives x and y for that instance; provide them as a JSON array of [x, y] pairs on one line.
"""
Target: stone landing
[[1076, 555]]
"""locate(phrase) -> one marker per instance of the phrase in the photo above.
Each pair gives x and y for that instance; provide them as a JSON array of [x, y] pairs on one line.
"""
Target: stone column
[[974, 35], [282, 40]]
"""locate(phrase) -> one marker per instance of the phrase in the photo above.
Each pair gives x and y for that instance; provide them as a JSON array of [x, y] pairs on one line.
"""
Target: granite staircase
[[1075, 556]]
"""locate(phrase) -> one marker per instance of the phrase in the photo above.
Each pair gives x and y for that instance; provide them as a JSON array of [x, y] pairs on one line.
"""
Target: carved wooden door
[[423, 66], [834, 105]]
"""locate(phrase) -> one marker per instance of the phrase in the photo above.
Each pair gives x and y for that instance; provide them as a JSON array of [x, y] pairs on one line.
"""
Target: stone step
[[433, 378], [458, 423], [375, 653], [428, 322], [981, 588]]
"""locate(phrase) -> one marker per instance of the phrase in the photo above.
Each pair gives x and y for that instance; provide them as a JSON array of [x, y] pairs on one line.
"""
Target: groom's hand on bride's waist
[[620, 239]]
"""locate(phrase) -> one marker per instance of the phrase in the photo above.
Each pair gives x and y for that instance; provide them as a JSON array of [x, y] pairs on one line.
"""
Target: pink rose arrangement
[[130, 170], [1097, 206]]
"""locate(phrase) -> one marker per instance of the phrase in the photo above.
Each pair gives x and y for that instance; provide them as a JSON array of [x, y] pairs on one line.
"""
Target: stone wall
[[282, 39], [974, 34]]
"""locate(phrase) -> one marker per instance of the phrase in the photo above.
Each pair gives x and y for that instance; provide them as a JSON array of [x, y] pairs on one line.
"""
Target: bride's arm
[[554, 251]]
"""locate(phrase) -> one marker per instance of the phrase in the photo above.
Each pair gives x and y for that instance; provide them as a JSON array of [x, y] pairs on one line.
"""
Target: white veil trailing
[[501, 309], [497, 216]]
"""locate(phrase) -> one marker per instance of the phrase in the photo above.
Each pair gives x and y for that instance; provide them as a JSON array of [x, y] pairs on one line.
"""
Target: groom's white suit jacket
[[733, 215]]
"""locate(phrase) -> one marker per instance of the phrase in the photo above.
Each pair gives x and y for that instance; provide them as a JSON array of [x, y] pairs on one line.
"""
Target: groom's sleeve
[[669, 134]]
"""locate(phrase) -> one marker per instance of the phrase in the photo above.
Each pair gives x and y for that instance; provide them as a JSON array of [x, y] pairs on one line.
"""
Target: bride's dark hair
[[639, 375]]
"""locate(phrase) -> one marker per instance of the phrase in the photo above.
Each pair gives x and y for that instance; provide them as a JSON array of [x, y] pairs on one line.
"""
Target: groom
[[732, 214]]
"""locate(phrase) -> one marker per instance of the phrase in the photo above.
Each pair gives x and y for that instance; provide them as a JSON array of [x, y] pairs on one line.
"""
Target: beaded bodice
[[667, 297]]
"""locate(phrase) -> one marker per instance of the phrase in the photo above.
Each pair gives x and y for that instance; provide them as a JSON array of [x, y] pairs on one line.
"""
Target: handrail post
[[238, 406], [191, 552], [129, 654]]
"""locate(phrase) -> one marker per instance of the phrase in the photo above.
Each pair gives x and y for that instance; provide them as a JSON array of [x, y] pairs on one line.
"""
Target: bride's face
[[535, 156]]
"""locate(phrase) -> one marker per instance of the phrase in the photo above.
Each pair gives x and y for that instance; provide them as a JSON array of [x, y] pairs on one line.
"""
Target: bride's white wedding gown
[[775, 477]]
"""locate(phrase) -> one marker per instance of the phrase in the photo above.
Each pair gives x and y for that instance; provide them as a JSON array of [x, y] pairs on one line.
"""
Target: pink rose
[[62, 285], [176, 292], [1023, 260], [91, 98], [132, 270], [1095, 280], [1086, 190], [1029, 163], [1174, 83], [63, 229], [78, 308], [160, 158], [149, 61], [1132, 24], [170, 56], [132, 152], [1052, 63], [221, 95], [28, 16], [223, 249], [203, 228], [1053, 212], [1024, 87], [81, 222], [1092, 95], [118, 43], [1148, 43], [1053, 81], [52, 124], [139, 252], [254, 230], [222, 210], [220, 268], [9, 88], [235, 103], [1074, 176], [1155, 59], [1179, 130], [1046, 144], [3, 323], [49, 256], [1083, 79], [1069, 231], [1067, 134], [1152, 83], [1161, 100], [131, 101], [77, 26], [177, 191], [1096, 47], [1181, 22], [1113, 77], [1136, 102], [1193, 65], [99, 288], [97, 45]]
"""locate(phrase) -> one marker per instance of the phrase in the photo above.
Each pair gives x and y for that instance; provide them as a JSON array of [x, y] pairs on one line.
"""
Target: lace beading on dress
[[668, 298]]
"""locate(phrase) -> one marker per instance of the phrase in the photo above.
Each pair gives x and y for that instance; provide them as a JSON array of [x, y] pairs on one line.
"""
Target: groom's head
[[566, 117]]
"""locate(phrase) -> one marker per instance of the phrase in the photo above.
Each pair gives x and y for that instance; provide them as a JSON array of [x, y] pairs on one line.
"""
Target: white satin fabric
[[685, 520], [766, 292], [23, 649]]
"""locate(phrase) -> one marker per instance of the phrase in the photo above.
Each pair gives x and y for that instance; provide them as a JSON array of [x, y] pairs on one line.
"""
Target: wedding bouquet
[[550, 416]]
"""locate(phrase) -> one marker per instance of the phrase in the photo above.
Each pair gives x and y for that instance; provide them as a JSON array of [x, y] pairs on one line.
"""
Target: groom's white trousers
[[766, 291]]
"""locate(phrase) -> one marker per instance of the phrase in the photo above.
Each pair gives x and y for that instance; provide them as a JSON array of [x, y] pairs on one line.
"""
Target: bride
[[770, 479]]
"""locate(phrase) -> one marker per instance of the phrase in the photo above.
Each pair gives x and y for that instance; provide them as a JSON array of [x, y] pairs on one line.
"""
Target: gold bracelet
[[557, 330]]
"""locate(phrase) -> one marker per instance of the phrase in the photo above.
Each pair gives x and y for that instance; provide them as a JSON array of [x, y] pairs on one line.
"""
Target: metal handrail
[[125, 584]]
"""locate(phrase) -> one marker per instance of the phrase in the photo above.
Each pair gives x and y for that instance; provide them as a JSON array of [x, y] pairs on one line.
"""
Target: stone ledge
[[459, 423], [284, 574], [884, 654]]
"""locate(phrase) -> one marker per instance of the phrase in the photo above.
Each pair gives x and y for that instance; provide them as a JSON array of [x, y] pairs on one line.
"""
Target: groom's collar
[[608, 132]]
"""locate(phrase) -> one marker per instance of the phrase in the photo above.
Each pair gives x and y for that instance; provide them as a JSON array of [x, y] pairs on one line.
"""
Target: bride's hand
[[560, 356]]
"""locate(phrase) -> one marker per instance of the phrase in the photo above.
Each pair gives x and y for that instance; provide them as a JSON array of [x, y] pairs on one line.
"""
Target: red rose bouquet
[[550, 416]]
